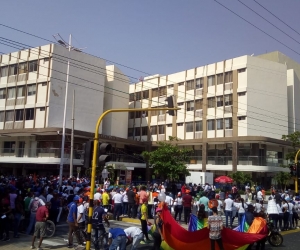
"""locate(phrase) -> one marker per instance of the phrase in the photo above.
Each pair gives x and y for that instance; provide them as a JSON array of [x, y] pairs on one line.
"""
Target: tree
[[294, 138], [241, 178], [282, 178], [168, 160]]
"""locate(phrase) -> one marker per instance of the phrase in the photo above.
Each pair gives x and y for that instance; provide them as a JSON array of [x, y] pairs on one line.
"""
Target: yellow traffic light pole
[[94, 162], [296, 179]]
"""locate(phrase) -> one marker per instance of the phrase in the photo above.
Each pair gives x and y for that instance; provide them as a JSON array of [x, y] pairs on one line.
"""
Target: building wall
[[115, 97]]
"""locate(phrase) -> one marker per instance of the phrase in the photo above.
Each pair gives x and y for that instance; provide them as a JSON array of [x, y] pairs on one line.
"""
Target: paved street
[[59, 241]]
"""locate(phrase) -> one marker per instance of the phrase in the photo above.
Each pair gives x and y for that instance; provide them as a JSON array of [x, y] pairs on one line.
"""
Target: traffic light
[[87, 156], [293, 170], [171, 104], [103, 157]]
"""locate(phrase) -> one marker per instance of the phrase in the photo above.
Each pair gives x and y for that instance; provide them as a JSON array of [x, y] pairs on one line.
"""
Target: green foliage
[[294, 138], [282, 178], [169, 160], [241, 178]]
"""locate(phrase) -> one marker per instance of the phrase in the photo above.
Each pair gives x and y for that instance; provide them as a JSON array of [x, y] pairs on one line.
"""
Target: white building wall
[[89, 89], [115, 97], [266, 96]]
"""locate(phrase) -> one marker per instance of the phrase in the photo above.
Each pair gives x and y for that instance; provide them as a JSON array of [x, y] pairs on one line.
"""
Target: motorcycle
[[274, 237]]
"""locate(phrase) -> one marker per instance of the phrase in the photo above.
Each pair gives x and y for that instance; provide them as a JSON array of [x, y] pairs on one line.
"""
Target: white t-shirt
[[49, 197], [291, 206], [178, 201], [228, 204], [117, 198], [259, 195], [220, 204], [132, 231], [257, 207], [97, 196], [169, 200], [240, 207], [125, 197], [163, 188], [81, 210]]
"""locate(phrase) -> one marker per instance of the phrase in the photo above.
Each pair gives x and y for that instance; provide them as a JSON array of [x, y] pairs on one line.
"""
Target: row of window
[[20, 91], [190, 85], [19, 68], [17, 115]]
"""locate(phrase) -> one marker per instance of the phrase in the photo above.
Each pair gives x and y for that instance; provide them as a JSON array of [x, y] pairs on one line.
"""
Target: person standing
[[105, 199], [81, 214], [228, 210], [72, 220], [33, 207], [215, 226], [204, 200], [117, 198], [187, 206], [125, 202], [5, 211], [131, 203], [42, 215], [178, 207], [144, 218], [19, 212]]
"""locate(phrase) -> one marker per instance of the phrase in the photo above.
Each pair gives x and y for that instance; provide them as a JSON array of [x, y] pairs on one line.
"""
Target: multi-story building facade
[[32, 96], [233, 113]]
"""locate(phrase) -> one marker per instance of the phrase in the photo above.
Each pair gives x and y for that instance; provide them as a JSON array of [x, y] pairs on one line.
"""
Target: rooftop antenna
[[65, 44]]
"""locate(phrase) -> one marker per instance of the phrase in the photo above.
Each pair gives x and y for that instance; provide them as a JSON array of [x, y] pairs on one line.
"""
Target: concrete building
[[32, 95], [233, 113]]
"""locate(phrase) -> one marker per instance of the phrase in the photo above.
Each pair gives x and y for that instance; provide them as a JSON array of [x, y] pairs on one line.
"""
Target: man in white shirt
[[117, 198], [228, 209], [169, 201], [98, 195], [259, 195], [134, 235], [80, 214], [220, 205]]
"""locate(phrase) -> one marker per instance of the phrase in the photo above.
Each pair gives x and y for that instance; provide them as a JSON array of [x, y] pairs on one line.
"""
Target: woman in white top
[[257, 207], [178, 207], [241, 206]]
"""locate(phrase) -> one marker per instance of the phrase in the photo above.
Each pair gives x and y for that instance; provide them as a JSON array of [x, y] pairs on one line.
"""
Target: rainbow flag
[[243, 227], [196, 224]]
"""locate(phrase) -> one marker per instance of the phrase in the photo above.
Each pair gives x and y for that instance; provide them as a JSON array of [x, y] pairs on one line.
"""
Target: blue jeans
[[228, 214], [120, 242], [240, 217], [124, 207], [117, 211], [290, 220], [31, 223], [97, 232], [17, 223]]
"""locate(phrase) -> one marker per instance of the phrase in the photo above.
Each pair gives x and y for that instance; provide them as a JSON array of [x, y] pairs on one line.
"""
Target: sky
[[157, 36]]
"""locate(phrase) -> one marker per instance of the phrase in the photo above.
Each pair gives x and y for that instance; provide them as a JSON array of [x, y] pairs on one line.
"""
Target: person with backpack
[[33, 207]]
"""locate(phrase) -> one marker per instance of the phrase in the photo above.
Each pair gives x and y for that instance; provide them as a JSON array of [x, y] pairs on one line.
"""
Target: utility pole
[[72, 137]]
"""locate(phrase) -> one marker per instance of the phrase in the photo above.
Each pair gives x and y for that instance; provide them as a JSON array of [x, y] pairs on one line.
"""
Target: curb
[[130, 220]]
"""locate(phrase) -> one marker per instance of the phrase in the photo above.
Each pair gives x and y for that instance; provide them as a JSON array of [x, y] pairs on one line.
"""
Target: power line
[[276, 17]]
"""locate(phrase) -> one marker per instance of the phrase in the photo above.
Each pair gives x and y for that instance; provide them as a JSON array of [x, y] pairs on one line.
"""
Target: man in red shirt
[[187, 201], [42, 215]]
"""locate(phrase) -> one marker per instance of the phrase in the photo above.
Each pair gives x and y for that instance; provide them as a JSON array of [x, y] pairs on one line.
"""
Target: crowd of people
[[27, 202]]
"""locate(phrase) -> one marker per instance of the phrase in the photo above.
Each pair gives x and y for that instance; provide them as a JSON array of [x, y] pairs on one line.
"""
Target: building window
[[180, 103], [242, 70], [131, 97], [13, 69], [220, 79], [199, 104], [161, 129], [198, 126], [211, 125], [179, 124], [144, 130], [242, 93], [9, 116], [32, 66], [153, 130], [31, 89], [162, 91], [242, 118], [228, 123], [228, 76], [146, 94], [9, 147], [130, 132], [199, 83], [4, 71], [210, 81], [23, 68], [2, 93], [29, 114], [189, 127], [190, 85], [11, 93], [181, 84], [228, 100], [19, 115], [169, 125], [219, 101], [155, 92], [219, 124], [211, 102], [190, 106], [138, 96], [21, 91], [170, 86], [2, 115], [137, 131]]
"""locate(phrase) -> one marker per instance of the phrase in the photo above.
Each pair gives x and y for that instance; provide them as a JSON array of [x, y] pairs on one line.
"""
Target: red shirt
[[187, 200], [41, 213]]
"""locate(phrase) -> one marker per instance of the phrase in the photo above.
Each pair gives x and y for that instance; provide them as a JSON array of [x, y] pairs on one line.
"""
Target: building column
[[235, 156], [204, 156]]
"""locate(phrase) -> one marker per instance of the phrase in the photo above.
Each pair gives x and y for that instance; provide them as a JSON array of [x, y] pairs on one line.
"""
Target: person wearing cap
[[72, 220], [188, 201], [157, 234], [228, 209], [215, 226]]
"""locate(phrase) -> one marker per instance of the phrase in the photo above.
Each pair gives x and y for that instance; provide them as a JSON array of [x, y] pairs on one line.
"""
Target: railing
[[219, 160], [261, 161], [126, 158]]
